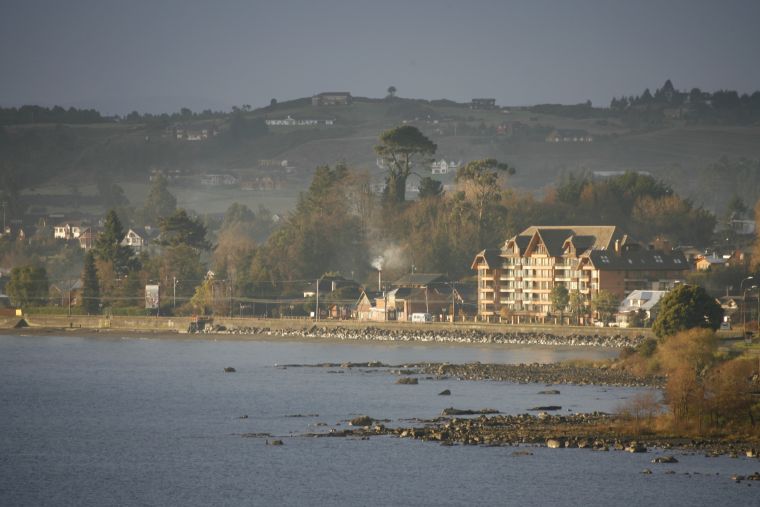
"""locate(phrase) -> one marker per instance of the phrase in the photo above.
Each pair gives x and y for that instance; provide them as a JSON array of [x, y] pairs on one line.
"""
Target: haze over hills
[[675, 136]]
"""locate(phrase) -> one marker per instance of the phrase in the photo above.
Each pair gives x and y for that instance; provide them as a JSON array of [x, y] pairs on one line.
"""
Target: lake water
[[111, 421]]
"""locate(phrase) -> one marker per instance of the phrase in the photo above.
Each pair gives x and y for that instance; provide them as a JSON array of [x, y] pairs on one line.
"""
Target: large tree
[[28, 286], [181, 229], [481, 180], [687, 307], [108, 246], [160, 202], [605, 304], [399, 149], [560, 298]]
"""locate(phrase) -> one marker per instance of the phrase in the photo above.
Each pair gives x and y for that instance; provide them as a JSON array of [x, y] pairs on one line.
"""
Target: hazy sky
[[158, 55]]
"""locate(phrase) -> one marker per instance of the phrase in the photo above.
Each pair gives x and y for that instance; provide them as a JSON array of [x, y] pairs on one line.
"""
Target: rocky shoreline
[[595, 431], [474, 336], [535, 373]]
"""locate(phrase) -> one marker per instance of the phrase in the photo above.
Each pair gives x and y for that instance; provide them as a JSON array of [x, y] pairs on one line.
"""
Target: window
[[658, 259]]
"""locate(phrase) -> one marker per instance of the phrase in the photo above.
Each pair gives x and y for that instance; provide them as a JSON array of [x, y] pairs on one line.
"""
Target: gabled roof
[[638, 260], [490, 256], [603, 236], [648, 298], [554, 240]]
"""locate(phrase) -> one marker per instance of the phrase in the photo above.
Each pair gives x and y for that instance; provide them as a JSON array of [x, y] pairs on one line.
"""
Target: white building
[[444, 167]]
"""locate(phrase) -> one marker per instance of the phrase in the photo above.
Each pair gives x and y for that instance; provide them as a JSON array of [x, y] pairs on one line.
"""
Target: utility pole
[[3, 204], [744, 305], [453, 305], [174, 293], [316, 312]]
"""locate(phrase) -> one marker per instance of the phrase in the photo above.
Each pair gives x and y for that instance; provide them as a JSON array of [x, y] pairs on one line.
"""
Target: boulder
[[229, 369], [445, 392], [549, 391], [555, 443], [646, 471], [636, 447], [274, 442], [362, 420], [665, 459], [408, 381]]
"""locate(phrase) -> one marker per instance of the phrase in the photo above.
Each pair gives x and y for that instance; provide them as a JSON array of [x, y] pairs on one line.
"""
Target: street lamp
[[744, 305]]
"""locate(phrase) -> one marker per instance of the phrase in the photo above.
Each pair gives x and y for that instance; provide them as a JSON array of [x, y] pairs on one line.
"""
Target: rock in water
[[362, 420], [445, 392], [229, 369], [546, 408], [408, 381], [554, 443], [549, 391], [636, 447], [274, 442], [665, 459]]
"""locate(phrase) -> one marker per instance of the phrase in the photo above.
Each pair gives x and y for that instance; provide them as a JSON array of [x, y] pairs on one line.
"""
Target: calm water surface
[[156, 422]]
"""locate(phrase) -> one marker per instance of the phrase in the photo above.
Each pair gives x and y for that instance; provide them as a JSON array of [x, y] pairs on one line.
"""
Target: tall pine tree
[[108, 246], [90, 285]]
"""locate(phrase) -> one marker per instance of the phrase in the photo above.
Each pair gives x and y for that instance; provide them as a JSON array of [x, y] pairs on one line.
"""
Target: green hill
[[60, 159]]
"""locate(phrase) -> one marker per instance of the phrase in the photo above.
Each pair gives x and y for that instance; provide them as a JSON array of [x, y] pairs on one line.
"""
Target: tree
[[577, 305], [560, 297], [28, 286], [90, 285], [687, 307], [399, 148], [180, 229], [605, 304], [108, 245], [430, 188], [391, 91], [160, 202], [482, 179]]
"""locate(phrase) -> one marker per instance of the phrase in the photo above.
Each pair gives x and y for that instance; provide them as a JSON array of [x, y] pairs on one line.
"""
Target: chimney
[[617, 246], [379, 280]]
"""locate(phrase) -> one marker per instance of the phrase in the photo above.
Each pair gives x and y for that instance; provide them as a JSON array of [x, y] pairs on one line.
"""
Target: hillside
[[47, 160]]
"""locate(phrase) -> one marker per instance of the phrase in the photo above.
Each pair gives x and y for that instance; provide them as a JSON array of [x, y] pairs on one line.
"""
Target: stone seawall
[[355, 330], [441, 335]]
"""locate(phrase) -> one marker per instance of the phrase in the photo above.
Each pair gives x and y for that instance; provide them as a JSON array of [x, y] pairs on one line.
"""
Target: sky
[[161, 55]]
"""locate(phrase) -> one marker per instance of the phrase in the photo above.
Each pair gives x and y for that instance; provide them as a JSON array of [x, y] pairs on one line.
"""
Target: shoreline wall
[[181, 325]]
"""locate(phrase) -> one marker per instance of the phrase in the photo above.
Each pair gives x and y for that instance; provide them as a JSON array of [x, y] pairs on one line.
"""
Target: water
[[156, 422]]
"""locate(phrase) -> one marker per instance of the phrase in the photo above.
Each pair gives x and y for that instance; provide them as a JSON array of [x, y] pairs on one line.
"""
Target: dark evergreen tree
[[108, 245], [90, 285], [686, 307], [180, 229]]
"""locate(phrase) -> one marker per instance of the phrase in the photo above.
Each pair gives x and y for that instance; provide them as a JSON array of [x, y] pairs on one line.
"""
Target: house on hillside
[[483, 104], [87, 238], [569, 136], [138, 239], [708, 262], [517, 279], [69, 230], [215, 180], [332, 99], [444, 167]]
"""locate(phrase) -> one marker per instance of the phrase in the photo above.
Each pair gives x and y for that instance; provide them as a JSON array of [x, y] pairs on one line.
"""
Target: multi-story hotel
[[517, 279]]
